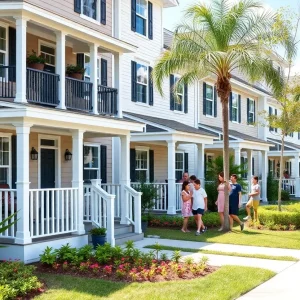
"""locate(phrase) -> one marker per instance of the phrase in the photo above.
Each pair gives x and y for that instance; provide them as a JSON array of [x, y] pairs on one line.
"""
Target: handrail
[[133, 191]]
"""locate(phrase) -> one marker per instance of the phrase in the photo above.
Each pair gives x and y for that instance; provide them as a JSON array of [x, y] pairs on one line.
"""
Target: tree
[[215, 40]]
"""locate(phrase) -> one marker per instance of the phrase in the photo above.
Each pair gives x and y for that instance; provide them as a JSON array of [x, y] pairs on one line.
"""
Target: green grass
[[251, 237], [229, 282], [263, 256]]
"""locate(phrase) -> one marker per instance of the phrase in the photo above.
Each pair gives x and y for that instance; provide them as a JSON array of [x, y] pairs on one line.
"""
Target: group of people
[[194, 201]]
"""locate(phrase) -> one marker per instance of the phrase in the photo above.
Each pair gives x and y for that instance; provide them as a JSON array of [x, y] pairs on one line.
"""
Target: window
[[141, 165], [91, 162], [251, 112], [142, 82], [87, 67], [4, 160], [179, 165], [3, 49], [47, 51], [291, 134], [90, 8], [179, 97], [235, 107], [244, 164], [209, 100], [141, 16]]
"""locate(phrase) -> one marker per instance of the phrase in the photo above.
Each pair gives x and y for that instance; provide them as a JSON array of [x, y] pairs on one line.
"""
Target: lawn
[[266, 238], [229, 282]]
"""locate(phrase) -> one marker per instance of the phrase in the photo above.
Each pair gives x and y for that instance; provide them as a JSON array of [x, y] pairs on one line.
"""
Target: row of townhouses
[[72, 150]]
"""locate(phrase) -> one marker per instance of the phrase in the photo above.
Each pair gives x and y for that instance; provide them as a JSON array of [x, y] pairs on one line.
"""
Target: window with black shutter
[[250, 111], [103, 72], [94, 9], [139, 82], [234, 107], [142, 17], [209, 100]]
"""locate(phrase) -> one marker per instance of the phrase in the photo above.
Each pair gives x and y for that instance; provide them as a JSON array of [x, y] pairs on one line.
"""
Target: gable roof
[[288, 144]]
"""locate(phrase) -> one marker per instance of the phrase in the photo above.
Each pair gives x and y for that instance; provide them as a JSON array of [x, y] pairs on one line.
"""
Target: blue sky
[[172, 16]]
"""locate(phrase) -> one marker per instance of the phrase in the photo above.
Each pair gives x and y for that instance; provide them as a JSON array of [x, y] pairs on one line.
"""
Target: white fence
[[114, 189], [178, 187], [8, 208], [288, 185], [53, 211]]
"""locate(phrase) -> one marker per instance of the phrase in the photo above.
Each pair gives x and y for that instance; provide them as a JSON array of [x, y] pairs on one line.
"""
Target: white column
[[93, 64], [296, 174], [249, 167], [264, 174], [200, 163], [23, 233], [171, 178], [117, 80], [237, 156], [21, 24], [77, 175], [125, 176], [60, 67]]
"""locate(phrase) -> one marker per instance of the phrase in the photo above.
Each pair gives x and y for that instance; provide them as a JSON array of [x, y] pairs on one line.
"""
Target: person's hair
[[256, 178], [197, 181], [184, 184], [193, 177], [185, 173], [234, 175], [222, 175]]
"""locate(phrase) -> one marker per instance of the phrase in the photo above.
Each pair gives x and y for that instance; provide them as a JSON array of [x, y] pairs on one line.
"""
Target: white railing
[[8, 208], [53, 211], [133, 205], [288, 185], [87, 202], [114, 189], [178, 187], [102, 210]]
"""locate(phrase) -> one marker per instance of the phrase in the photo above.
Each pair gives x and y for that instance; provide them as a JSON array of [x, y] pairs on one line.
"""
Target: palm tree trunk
[[280, 172]]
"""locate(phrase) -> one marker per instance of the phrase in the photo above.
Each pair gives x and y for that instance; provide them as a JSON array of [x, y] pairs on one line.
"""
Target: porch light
[[68, 155], [34, 154]]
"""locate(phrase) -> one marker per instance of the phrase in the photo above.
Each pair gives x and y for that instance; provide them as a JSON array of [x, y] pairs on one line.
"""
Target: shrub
[[212, 195], [71, 69], [98, 231], [285, 195], [48, 257], [33, 58]]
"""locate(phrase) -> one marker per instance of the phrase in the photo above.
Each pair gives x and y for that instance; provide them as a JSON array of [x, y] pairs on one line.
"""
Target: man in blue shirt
[[235, 201]]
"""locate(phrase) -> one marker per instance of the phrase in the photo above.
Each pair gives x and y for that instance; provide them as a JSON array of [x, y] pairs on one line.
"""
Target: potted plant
[[148, 198], [35, 61], [98, 236], [75, 71]]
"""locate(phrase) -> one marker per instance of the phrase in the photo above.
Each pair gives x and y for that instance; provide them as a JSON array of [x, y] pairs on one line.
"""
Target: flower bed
[[17, 281], [117, 264]]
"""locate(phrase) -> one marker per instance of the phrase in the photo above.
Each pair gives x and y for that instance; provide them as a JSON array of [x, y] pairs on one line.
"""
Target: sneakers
[[204, 229], [197, 233], [247, 218], [242, 226]]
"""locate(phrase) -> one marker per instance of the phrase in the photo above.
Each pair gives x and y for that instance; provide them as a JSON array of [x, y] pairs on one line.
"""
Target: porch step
[[122, 229], [120, 239]]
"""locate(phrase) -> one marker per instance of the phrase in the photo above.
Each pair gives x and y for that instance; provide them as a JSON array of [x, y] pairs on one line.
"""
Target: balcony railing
[[107, 100], [42, 87], [79, 94], [7, 82]]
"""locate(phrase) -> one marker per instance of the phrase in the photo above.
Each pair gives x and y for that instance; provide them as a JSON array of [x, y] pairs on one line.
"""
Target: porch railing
[[53, 211], [288, 185], [42, 87], [8, 208], [114, 189], [79, 94], [107, 100], [7, 81], [178, 187]]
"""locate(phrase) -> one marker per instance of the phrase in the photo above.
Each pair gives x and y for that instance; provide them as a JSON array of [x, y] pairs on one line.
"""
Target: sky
[[172, 16]]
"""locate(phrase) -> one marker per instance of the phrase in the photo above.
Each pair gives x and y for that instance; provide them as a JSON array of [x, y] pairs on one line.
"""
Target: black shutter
[[13, 161], [172, 98], [205, 166], [151, 165], [248, 106], [215, 102], [133, 15], [103, 12], [132, 165], [253, 168], [204, 98], [230, 106], [186, 104], [240, 109], [275, 115], [254, 112], [103, 72], [133, 82], [12, 53], [186, 162], [270, 114], [151, 100], [80, 60], [150, 20], [77, 6], [103, 153]]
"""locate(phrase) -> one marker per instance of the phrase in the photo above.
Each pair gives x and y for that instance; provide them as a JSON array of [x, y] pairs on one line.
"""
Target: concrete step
[[122, 238], [122, 229]]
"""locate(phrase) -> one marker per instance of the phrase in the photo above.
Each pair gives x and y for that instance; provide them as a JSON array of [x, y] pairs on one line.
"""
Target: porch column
[[171, 179], [117, 81], [297, 179], [264, 174], [77, 175], [93, 58], [60, 67], [125, 176], [249, 168], [237, 156], [23, 233], [21, 25], [200, 163]]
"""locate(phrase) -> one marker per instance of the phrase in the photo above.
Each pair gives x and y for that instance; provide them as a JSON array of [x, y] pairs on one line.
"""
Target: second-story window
[[250, 111], [141, 16], [93, 9], [47, 51], [178, 103], [87, 68], [209, 100], [2, 50], [90, 8], [142, 82], [235, 106]]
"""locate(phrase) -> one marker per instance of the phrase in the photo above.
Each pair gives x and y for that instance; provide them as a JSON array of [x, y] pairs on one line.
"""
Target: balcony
[[42, 88]]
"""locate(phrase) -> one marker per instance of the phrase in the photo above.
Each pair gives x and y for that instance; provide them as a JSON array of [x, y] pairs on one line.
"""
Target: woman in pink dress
[[186, 197], [221, 197]]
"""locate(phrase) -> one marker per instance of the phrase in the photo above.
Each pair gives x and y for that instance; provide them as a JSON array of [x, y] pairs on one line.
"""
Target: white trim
[[57, 157], [98, 14]]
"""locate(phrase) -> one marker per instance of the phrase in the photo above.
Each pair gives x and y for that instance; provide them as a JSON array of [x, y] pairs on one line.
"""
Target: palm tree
[[215, 40]]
